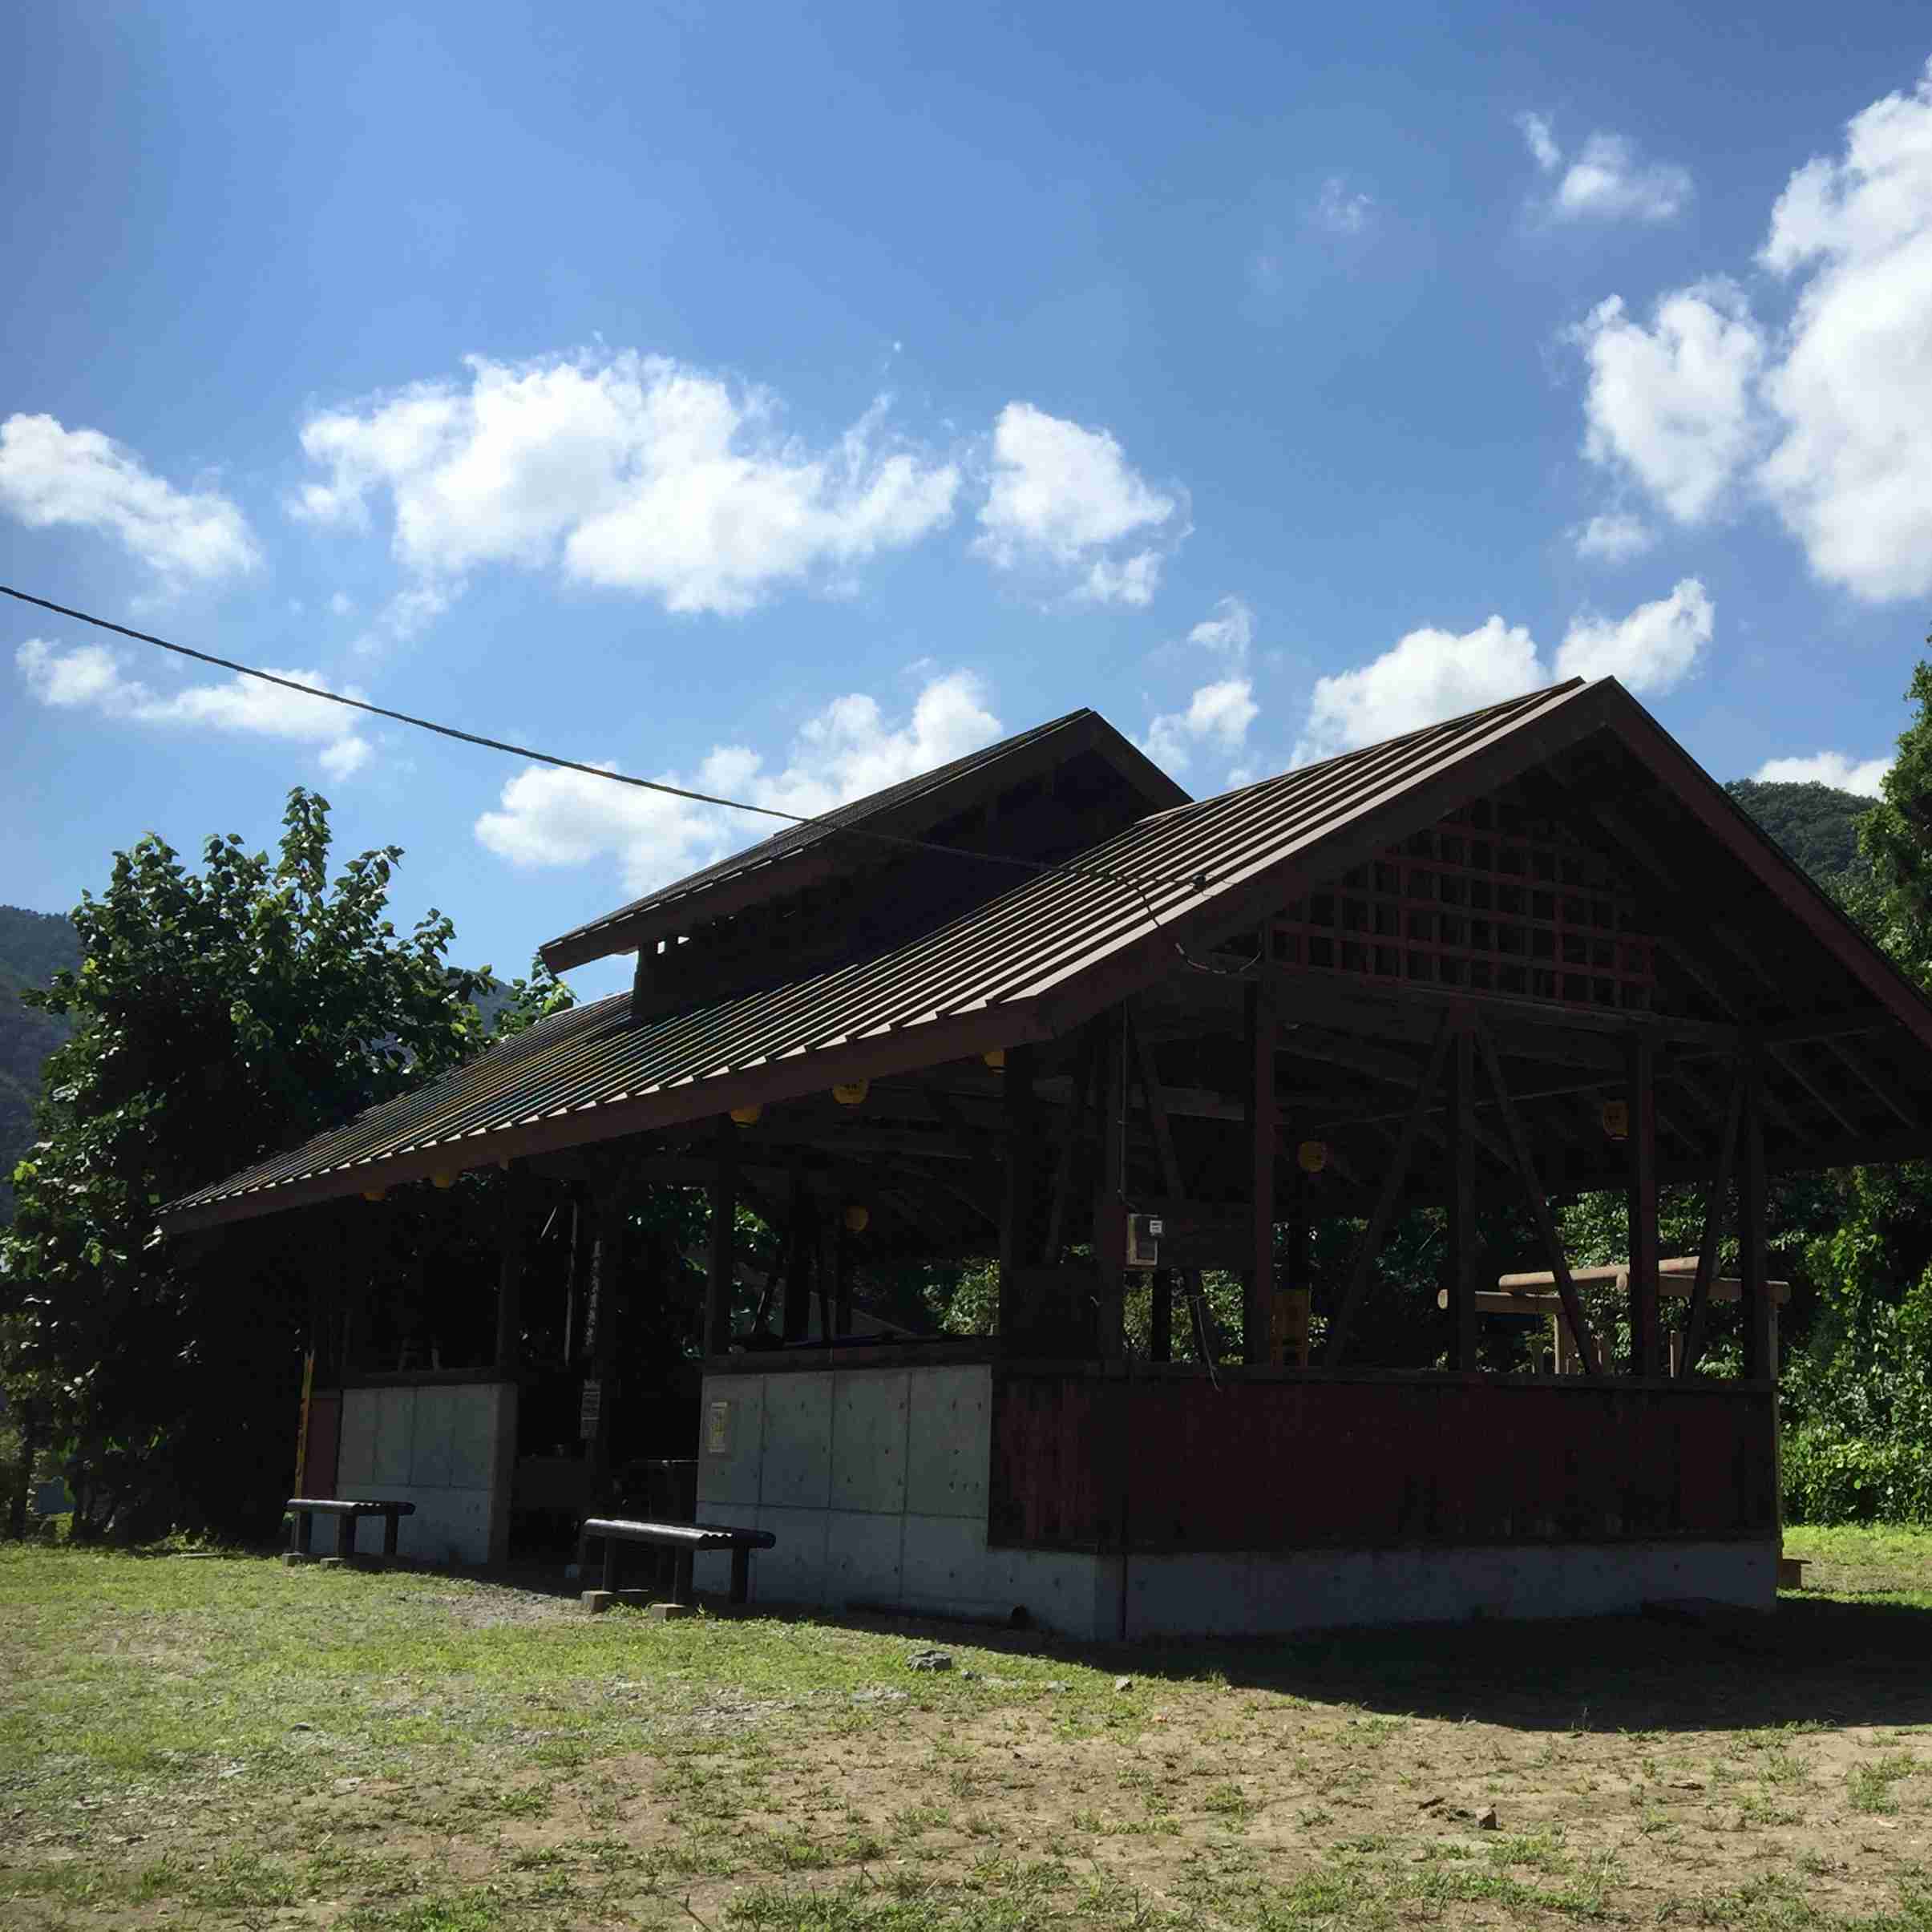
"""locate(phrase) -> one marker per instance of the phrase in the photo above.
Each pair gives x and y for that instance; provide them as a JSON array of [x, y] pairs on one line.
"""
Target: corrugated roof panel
[[1041, 935]]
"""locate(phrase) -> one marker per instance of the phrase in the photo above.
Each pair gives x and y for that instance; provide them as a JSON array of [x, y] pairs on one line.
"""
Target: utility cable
[[1197, 882]]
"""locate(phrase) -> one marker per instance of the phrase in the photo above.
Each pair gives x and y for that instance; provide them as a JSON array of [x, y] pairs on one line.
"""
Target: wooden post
[[1761, 1311], [723, 1257], [607, 1273], [1258, 1299], [509, 1279], [1715, 1204], [1301, 1263], [1640, 1196], [842, 1277], [1110, 1195], [795, 1315], [1019, 1195], [1391, 1192], [1462, 1199]]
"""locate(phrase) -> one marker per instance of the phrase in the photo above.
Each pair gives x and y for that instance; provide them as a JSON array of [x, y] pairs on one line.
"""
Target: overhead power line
[[1197, 882]]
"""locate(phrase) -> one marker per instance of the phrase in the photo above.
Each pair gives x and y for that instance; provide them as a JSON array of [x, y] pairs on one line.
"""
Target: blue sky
[[783, 399]]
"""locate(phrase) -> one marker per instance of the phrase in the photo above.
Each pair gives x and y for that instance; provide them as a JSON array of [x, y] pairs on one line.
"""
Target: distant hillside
[[34, 947], [1817, 824]]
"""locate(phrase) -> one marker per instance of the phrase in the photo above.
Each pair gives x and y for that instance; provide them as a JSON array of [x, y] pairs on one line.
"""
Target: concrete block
[[796, 1465], [356, 1457], [597, 1602], [869, 1440], [795, 1570], [666, 1613], [1211, 1595], [432, 1431], [862, 1557], [476, 1420], [293, 1559], [949, 1441], [395, 1410], [730, 1443], [332, 1563]]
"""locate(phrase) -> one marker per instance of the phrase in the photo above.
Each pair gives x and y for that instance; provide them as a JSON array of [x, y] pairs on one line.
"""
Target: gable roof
[[1040, 958], [914, 805]]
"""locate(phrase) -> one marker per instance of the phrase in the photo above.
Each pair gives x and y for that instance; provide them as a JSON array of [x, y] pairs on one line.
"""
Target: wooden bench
[[305, 1509], [683, 1541]]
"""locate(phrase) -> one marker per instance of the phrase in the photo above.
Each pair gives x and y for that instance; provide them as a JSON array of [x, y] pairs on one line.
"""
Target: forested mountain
[[34, 947], [1817, 824]]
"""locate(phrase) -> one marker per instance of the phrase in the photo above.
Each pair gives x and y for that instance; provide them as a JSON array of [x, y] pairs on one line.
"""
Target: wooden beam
[[1539, 1208], [510, 1275], [1761, 1311], [1386, 1201], [720, 1270], [1788, 1056], [795, 1310], [1640, 1210], [1715, 1203], [1019, 1195], [1462, 1200], [1263, 1126], [1069, 1146], [1110, 1190]]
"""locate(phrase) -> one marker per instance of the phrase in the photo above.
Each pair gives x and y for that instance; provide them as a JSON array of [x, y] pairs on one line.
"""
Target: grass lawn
[[209, 1740]]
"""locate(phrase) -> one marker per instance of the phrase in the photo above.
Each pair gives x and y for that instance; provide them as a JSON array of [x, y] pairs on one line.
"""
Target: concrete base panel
[[448, 1449], [1264, 1594]]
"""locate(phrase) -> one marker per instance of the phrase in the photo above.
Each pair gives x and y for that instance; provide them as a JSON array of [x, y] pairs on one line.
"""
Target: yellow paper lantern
[[443, 1177], [374, 1193], [747, 1117], [996, 1059], [851, 1092], [858, 1218], [1311, 1157], [1616, 1119]]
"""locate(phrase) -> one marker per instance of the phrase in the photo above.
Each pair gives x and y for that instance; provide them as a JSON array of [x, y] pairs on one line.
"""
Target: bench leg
[[610, 1562], [680, 1577], [391, 1521], [304, 1523], [345, 1537], [741, 1575]]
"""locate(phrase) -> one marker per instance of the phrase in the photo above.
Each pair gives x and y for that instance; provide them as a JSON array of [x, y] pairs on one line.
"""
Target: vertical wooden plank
[[606, 1276], [1760, 1314], [722, 1260], [510, 1275], [1263, 1123], [1640, 1199], [1109, 1196], [1462, 1199], [1021, 1108]]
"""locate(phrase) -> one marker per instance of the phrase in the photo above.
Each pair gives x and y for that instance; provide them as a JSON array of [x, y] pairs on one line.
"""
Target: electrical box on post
[[1143, 1241]]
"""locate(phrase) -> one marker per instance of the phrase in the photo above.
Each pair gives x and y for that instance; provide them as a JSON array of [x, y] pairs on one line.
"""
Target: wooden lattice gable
[[1491, 898]]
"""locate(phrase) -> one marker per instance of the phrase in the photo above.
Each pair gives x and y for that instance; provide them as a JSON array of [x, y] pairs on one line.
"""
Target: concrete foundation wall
[[450, 1448], [874, 1481]]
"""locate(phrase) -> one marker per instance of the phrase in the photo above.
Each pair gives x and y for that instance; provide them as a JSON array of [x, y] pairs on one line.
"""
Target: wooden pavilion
[[1040, 1005]]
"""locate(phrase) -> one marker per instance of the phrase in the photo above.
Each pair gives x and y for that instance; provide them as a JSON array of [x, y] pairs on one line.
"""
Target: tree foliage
[[215, 1016]]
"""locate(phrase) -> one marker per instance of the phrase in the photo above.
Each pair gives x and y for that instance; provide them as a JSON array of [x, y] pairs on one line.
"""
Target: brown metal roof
[[1026, 965], [902, 810]]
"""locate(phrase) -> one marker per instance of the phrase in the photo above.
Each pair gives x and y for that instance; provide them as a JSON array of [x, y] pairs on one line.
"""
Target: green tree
[[216, 1016]]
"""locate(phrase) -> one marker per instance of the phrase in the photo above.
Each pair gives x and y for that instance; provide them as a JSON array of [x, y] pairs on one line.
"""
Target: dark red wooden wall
[[1275, 1464]]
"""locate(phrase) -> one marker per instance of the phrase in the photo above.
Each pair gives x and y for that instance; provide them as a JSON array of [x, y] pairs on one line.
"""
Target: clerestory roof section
[[1145, 906], [907, 810]]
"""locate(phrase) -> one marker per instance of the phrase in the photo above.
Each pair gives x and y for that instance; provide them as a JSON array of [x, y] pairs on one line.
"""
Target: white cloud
[[1852, 393], [1614, 536], [1652, 649], [1428, 674], [1343, 210], [1230, 629], [1671, 405], [341, 604], [1064, 502], [1833, 768], [90, 677], [629, 472], [1218, 716], [1541, 140], [1606, 182], [1432, 674], [551, 818], [1829, 418], [51, 475]]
